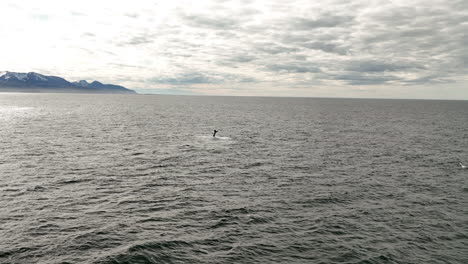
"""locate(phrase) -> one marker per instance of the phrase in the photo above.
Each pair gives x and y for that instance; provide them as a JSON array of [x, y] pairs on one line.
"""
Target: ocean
[[140, 179]]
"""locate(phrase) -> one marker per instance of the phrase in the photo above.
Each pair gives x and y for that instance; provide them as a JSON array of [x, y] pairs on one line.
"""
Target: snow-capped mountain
[[14, 75], [82, 83], [35, 82]]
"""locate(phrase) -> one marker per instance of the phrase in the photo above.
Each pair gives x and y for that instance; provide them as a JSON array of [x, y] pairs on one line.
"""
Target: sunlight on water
[[12, 112]]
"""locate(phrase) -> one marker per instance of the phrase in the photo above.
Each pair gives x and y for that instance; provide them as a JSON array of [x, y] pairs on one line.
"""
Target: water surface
[[140, 179]]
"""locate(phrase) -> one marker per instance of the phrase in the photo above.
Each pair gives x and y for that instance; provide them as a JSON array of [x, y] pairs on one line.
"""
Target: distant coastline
[[32, 82]]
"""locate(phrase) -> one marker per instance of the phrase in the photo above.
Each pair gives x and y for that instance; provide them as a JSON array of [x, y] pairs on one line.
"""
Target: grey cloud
[[227, 34], [300, 57], [140, 39], [204, 21], [243, 58], [326, 47], [376, 45], [237, 59], [378, 66], [171, 91], [272, 48], [416, 32], [201, 78], [322, 41], [358, 79], [461, 5], [433, 79], [432, 36], [295, 38], [427, 43], [293, 68], [188, 78], [245, 79], [326, 21]]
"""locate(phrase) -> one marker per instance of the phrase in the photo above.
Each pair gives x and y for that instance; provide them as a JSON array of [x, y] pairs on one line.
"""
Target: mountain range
[[35, 82]]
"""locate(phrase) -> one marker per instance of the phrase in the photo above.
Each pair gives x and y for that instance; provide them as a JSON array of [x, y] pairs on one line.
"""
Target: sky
[[327, 48]]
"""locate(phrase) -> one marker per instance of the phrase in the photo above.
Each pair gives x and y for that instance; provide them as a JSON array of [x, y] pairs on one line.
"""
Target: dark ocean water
[[140, 179]]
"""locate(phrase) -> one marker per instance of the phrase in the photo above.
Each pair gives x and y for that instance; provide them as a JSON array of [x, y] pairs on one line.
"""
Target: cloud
[[336, 44], [74, 13], [167, 91], [359, 79], [433, 79], [274, 49], [88, 34], [375, 66], [326, 47], [237, 60], [206, 21], [186, 78], [132, 15], [326, 21], [293, 68], [200, 78], [140, 39], [242, 58]]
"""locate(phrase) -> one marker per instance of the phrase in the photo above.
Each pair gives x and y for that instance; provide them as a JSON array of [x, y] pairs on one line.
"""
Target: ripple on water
[[95, 179]]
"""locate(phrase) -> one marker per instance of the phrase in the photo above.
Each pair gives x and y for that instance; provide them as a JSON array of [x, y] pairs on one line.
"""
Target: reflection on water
[[12, 112]]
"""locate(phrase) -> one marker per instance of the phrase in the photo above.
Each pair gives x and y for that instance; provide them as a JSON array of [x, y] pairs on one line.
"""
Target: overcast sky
[[332, 48]]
